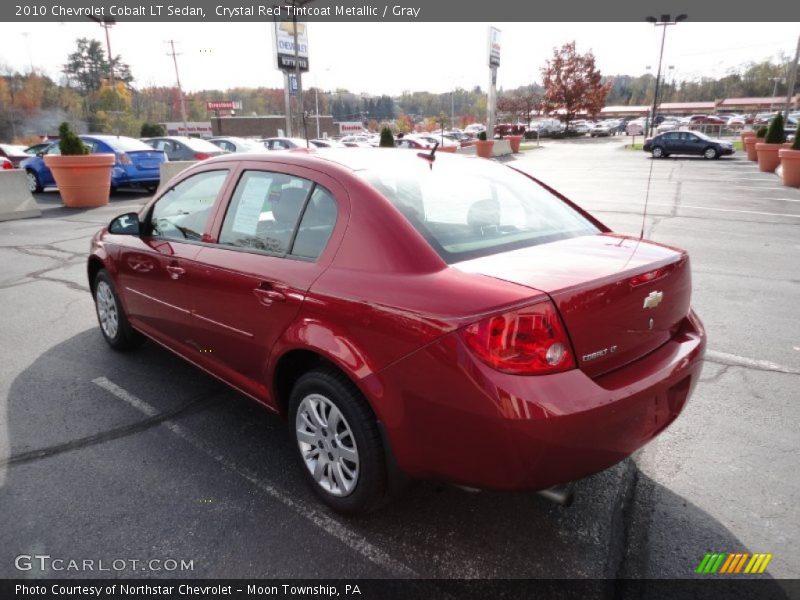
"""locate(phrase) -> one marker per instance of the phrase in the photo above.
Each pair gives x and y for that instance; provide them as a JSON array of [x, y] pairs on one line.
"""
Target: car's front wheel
[[338, 441], [710, 153], [658, 152], [33, 182], [114, 324]]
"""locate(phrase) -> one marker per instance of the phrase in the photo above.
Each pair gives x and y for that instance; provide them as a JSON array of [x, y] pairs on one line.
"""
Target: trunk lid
[[145, 160], [619, 297]]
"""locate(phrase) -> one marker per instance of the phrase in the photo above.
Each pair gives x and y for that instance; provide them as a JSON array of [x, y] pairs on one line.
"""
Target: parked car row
[[136, 164]]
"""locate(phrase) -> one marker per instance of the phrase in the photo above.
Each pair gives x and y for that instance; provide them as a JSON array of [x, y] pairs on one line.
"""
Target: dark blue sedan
[[136, 165]]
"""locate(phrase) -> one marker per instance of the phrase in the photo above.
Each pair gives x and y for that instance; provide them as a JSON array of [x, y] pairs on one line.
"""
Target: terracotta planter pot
[[790, 163], [83, 181], [768, 159], [483, 148], [750, 147], [451, 149], [515, 140]]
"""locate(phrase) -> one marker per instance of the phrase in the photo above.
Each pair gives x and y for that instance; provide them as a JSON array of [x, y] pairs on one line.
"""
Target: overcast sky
[[393, 57]]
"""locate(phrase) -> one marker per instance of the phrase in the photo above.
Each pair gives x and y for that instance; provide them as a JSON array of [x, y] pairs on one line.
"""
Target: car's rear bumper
[[449, 416]]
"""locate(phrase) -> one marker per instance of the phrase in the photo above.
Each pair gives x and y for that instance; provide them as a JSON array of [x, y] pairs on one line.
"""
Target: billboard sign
[[283, 40], [223, 105], [494, 47], [351, 127]]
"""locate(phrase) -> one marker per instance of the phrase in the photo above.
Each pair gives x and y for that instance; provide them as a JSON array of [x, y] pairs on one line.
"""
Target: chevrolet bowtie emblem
[[653, 299]]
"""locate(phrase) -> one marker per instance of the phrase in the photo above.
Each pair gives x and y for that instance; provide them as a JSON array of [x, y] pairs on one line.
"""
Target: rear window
[[126, 144], [471, 208]]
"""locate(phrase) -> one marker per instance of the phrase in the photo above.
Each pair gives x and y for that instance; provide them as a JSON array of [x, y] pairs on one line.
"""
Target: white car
[[635, 127], [474, 129], [668, 125], [238, 144]]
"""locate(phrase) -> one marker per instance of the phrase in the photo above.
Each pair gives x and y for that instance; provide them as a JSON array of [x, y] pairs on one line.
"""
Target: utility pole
[[106, 24], [664, 21], [173, 54], [792, 80]]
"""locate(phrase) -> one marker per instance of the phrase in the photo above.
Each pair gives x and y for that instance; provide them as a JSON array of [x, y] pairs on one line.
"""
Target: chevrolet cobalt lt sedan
[[450, 319]]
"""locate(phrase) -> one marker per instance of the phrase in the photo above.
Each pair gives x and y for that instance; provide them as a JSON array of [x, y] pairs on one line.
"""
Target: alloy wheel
[[107, 309], [327, 445]]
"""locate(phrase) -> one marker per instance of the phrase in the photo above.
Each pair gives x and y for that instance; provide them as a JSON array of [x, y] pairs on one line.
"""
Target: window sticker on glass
[[251, 203]]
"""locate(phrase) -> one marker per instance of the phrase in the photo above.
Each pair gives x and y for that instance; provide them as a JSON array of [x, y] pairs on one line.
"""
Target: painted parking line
[[736, 360], [728, 210], [327, 523]]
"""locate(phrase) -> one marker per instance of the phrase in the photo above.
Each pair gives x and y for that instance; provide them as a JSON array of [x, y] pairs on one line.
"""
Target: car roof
[[351, 159]]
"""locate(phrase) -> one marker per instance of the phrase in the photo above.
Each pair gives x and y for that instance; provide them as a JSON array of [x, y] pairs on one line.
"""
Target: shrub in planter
[[83, 179], [483, 147], [790, 161], [387, 139], [767, 151]]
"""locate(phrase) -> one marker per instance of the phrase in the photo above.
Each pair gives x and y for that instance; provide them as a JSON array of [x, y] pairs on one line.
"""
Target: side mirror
[[40, 154], [127, 224]]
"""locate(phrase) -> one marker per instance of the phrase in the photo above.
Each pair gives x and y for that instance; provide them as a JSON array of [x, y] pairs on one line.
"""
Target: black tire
[[34, 185], [710, 153], [124, 337], [658, 152], [370, 489]]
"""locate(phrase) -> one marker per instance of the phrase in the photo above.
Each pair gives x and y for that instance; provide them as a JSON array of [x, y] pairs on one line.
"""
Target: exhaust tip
[[562, 495]]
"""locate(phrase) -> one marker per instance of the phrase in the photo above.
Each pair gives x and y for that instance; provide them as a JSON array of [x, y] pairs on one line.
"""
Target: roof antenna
[[429, 157]]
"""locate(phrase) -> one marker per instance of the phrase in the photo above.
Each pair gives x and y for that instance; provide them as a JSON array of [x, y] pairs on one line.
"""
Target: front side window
[[183, 212], [264, 211], [476, 210]]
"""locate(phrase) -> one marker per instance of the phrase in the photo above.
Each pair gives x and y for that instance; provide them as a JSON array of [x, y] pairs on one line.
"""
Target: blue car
[[137, 164]]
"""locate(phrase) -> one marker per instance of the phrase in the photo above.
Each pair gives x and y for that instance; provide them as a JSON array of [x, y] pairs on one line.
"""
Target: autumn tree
[[572, 83]]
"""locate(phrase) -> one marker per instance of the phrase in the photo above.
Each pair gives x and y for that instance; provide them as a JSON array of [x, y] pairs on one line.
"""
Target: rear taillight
[[201, 155], [529, 341], [123, 159], [7, 164]]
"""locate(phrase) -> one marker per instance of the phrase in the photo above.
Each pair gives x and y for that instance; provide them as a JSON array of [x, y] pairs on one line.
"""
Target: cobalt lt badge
[[653, 299]]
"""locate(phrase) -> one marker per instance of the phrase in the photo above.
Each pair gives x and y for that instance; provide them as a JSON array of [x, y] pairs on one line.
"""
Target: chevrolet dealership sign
[[283, 40]]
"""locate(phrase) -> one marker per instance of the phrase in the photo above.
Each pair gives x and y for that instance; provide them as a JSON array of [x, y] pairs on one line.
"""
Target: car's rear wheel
[[338, 441], [33, 182], [658, 152], [710, 153], [114, 324]]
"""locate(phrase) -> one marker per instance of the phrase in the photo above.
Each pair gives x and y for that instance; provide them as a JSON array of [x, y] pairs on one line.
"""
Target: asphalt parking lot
[[141, 456]]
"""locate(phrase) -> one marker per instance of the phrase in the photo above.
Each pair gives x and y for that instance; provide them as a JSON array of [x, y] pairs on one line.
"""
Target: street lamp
[[663, 21]]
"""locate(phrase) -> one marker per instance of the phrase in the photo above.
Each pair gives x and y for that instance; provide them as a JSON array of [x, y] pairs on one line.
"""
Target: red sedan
[[452, 319]]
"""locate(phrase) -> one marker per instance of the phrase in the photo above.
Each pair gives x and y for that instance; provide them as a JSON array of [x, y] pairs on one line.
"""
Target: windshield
[[471, 208]]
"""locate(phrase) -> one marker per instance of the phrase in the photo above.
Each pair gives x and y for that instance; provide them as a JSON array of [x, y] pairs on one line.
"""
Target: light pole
[[663, 21], [775, 80]]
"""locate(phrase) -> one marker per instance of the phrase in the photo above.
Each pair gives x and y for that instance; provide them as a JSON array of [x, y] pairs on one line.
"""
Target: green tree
[[387, 139]]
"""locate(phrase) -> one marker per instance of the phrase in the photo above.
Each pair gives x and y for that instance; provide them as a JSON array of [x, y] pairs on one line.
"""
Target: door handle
[[267, 295], [175, 271]]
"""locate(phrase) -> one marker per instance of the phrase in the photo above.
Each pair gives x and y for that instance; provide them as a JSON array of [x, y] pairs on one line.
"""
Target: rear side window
[[316, 226], [467, 209], [264, 211], [182, 213]]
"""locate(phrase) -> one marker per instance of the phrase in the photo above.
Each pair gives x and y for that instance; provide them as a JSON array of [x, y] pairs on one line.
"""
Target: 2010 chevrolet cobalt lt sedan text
[[450, 318]]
